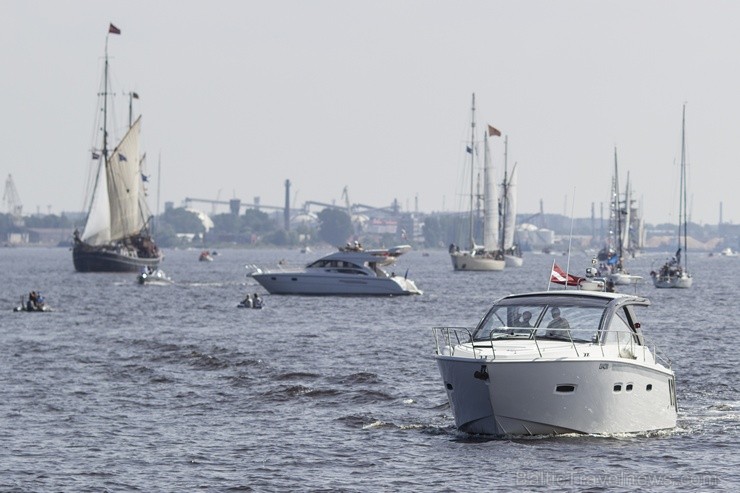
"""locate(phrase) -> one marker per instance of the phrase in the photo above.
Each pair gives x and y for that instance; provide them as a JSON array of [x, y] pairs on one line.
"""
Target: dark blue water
[[172, 388]]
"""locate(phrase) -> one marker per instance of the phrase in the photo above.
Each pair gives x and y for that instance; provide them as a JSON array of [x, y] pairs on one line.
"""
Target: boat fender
[[482, 374]]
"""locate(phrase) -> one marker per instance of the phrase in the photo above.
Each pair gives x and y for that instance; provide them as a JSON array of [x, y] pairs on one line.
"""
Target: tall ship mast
[[116, 236]]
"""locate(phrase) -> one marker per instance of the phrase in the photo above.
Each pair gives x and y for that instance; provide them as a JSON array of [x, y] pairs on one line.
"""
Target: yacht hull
[[465, 261], [622, 279], [682, 282], [536, 397], [302, 283], [513, 261]]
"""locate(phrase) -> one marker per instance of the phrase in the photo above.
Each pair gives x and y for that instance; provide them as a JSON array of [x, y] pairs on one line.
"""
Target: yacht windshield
[[552, 319]]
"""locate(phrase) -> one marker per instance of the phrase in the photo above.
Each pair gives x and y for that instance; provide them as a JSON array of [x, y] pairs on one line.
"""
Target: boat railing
[[447, 338], [628, 346]]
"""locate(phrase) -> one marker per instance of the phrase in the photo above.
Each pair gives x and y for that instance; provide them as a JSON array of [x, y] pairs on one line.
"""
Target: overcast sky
[[238, 96]]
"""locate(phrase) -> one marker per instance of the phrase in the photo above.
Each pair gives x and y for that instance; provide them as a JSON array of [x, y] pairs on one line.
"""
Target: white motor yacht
[[557, 362], [351, 271]]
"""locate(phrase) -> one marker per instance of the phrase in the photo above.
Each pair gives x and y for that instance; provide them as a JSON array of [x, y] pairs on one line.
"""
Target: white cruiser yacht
[[351, 271], [557, 362]]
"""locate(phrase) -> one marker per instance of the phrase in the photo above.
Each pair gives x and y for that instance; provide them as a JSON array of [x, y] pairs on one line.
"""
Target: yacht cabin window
[[523, 320]]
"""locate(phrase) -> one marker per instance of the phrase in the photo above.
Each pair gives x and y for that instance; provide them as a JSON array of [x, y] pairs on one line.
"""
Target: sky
[[238, 96]]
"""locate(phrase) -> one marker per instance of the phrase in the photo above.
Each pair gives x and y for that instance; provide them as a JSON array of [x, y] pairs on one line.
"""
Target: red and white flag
[[559, 276]]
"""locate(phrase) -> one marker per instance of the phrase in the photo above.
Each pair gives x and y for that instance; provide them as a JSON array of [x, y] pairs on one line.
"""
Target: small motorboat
[[205, 256], [35, 303], [156, 276], [556, 362], [728, 252]]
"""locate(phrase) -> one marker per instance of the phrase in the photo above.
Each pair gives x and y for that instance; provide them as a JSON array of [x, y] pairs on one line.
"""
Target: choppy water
[[172, 388]]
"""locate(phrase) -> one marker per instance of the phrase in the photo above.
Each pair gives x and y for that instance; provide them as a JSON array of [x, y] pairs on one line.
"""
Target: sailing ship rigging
[[611, 257], [116, 236]]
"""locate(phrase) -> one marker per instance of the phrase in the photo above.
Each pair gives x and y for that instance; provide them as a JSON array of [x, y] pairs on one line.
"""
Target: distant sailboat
[[611, 257], [675, 273], [487, 257], [512, 251], [116, 237]]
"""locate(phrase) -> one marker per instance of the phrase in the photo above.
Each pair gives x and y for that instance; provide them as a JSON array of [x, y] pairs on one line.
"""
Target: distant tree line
[[181, 227]]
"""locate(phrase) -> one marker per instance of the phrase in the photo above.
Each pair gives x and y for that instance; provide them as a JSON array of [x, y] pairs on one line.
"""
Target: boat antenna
[[472, 172], [570, 240], [549, 279]]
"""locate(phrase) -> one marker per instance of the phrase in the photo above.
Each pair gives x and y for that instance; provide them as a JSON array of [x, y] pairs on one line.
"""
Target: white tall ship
[[487, 257]]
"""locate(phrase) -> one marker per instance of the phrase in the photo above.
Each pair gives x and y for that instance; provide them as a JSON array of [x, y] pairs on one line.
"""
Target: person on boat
[[557, 322], [257, 303], [247, 302], [35, 302], [526, 317], [31, 303]]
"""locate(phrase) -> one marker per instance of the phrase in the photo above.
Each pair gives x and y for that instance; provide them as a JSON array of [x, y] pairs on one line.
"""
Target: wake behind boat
[[116, 237], [351, 271], [557, 362]]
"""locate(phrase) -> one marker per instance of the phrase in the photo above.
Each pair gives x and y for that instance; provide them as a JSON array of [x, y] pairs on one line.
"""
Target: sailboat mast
[[505, 194], [105, 103], [617, 208], [472, 171], [682, 208]]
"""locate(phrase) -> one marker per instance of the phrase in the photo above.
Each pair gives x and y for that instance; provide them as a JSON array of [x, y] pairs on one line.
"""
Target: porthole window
[[628, 388], [565, 388], [617, 387], [649, 387]]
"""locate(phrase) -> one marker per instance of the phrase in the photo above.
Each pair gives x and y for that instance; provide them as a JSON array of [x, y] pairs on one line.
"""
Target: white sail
[[490, 204], [510, 208], [116, 207], [125, 187], [97, 227]]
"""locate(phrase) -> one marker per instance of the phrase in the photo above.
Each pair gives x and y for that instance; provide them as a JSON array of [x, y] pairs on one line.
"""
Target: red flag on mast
[[558, 276], [113, 29]]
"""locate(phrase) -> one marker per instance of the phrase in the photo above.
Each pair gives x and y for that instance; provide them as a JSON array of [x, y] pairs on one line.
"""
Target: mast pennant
[[113, 29]]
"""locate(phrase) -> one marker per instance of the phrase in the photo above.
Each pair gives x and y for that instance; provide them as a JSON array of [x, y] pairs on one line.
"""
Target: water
[[172, 388]]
